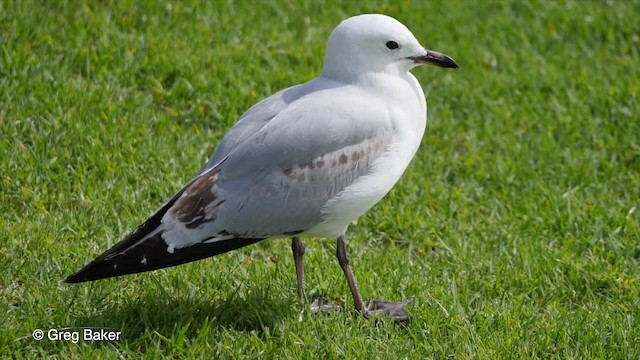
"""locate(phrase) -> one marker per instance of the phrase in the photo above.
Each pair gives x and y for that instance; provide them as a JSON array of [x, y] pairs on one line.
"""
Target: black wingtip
[[152, 254], [88, 274], [73, 279]]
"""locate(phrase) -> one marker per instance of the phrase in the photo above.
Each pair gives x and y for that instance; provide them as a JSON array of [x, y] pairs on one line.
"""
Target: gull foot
[[377, 309], [324, 305]]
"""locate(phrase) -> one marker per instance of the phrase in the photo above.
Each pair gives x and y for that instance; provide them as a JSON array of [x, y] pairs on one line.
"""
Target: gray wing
[[275, 181], [261, 114]]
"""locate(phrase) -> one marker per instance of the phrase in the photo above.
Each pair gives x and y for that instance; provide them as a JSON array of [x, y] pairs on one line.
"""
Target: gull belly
[[408, 111]]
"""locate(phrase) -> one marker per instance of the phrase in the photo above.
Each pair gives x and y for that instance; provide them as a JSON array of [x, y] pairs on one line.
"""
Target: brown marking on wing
[[368, 150], [343, 159], [377, 146], [357, 155], [346, 164], [308, 164], [195, 206]]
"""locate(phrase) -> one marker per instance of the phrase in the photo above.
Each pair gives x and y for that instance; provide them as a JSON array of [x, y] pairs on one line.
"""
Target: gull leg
[[298, 253], [343, 259], [319, 304], [374, 308]]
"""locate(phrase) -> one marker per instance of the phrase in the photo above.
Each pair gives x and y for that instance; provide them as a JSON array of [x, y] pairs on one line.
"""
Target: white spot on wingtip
[[218, 238], [115, 266], [143, 261]]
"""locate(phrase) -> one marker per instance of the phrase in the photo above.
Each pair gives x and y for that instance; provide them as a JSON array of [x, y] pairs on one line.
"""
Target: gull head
[[375, 43]]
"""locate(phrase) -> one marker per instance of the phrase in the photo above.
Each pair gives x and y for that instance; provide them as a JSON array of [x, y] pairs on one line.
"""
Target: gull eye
[[392, 45]]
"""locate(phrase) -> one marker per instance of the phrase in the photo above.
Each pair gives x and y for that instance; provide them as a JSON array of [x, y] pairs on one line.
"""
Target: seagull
[[304, 162]]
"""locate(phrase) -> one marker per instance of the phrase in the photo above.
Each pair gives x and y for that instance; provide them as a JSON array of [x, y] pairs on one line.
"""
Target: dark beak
[[435, 58]]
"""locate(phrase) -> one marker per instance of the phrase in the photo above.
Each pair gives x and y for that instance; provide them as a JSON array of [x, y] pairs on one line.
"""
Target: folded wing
[[270, 177]]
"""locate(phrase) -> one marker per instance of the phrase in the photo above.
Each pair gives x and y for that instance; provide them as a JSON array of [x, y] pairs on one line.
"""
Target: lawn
[[516, 227]]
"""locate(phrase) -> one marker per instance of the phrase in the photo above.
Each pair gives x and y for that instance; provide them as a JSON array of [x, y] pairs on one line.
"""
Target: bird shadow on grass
[[188, 316]]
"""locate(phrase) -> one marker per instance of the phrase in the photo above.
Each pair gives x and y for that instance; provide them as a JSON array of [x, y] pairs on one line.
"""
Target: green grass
[[516, 227]]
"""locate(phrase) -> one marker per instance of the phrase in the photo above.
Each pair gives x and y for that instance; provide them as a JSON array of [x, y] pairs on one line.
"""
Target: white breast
[[409, 119]]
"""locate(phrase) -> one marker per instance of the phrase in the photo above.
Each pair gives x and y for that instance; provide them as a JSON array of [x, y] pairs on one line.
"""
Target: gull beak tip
[[436, 59]]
